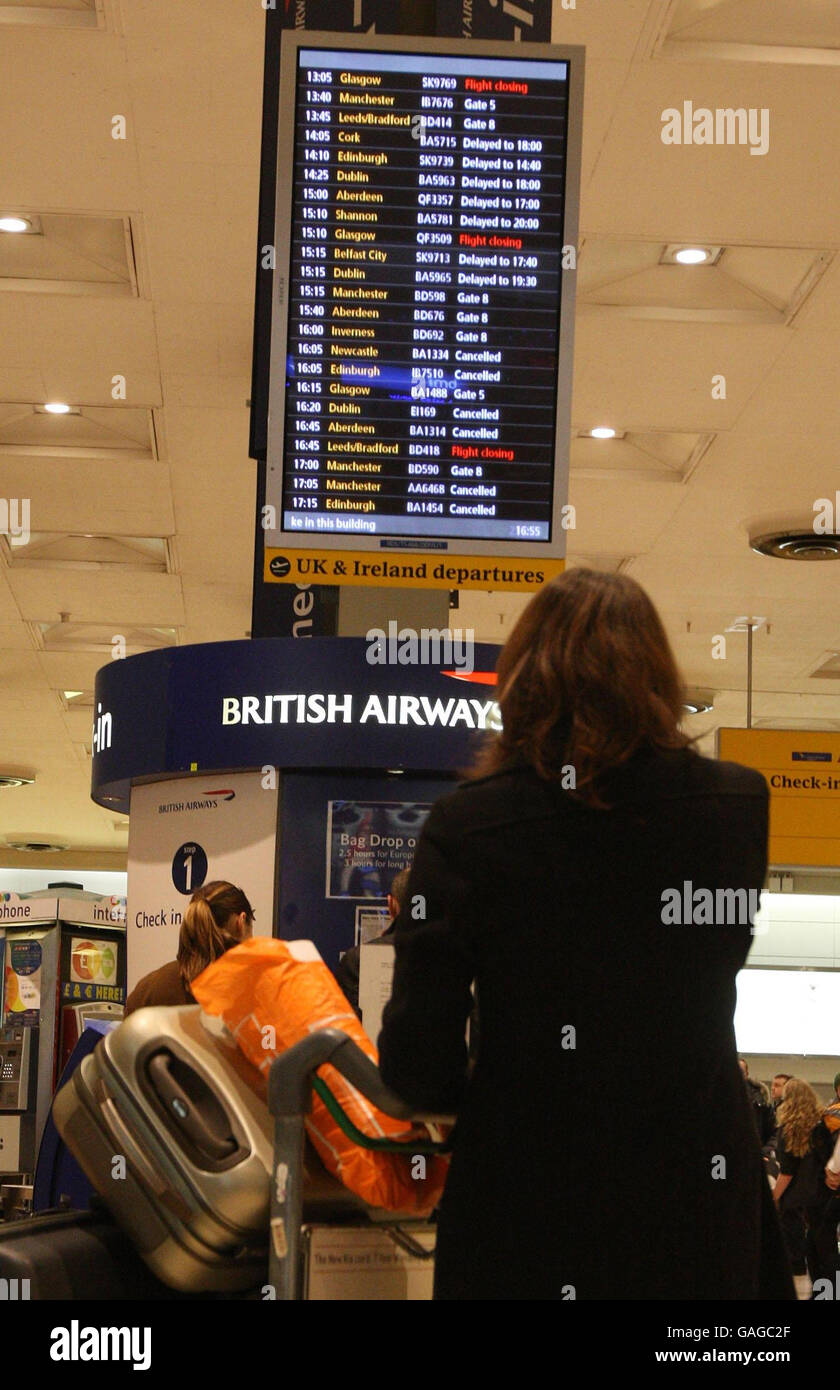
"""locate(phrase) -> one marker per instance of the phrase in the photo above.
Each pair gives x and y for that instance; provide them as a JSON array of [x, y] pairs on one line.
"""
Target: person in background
[[347, 970], [544, 879], [797, 1186], [765, 1120], [218, 916], [823, 1215], [832, 1168], [768, 1149], [777, 1086], [837, 1088]]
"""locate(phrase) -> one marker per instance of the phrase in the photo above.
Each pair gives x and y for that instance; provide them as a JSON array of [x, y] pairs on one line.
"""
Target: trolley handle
[[291, 1076], [291, 1079]]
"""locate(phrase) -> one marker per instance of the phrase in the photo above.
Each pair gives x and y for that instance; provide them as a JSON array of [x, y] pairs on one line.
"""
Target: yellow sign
[[408, 570], [802, 771]]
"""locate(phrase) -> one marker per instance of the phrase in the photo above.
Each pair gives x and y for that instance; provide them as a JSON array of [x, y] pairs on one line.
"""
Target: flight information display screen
[[424, 297]]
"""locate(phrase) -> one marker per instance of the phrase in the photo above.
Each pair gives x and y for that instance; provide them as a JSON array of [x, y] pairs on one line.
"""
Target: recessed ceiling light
[[13, 224], [12, 779], [682, 253], [57, 408], [72, 694], [691, 255], [602, 432]]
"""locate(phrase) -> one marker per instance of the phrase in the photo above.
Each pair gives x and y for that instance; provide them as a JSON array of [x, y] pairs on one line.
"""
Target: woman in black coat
[[604, 1147]]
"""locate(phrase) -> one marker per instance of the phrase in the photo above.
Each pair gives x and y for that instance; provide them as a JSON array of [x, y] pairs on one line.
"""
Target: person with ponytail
[[219, 916]]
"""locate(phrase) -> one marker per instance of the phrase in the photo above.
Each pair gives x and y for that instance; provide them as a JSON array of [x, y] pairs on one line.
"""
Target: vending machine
[[92, 976], [64, 963]]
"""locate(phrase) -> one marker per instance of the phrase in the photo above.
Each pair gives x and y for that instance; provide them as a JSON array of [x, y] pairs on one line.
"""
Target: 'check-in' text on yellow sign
[[802, 771]]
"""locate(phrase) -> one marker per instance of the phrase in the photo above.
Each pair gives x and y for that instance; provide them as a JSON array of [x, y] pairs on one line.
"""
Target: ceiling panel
[[212, 339], [127, 598], [712, 193], [86, 342], [65, 159], [216, 612], [92, 494], [808, 24], [801, 390], [625, 371], [69, 670], [64, 254]]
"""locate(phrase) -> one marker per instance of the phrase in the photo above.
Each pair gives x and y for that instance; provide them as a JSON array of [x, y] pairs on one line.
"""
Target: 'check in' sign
[[802, 770]]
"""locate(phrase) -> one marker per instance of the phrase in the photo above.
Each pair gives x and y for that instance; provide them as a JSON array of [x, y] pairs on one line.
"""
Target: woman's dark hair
[[204, 931], [585, 679]]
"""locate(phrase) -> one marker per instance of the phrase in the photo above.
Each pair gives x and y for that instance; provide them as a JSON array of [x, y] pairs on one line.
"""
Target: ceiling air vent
[[10, 777], [798, 545], [36, 846], [698, 702]]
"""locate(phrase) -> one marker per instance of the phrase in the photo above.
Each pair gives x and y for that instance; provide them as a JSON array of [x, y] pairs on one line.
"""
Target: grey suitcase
[[166, 1120]]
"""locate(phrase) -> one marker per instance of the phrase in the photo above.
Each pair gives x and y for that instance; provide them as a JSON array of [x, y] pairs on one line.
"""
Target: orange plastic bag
[[260, 986]]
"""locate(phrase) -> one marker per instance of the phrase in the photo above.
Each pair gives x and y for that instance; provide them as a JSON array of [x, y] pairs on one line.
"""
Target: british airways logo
[[476, 677], [420, 710]]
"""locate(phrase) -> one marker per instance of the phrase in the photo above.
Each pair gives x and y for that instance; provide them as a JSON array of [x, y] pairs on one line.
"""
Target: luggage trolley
[[292, 1080], [204, 1162]]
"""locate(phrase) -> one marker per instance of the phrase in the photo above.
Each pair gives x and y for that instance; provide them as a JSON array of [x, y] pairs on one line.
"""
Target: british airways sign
[[417, 710], [231, 706]]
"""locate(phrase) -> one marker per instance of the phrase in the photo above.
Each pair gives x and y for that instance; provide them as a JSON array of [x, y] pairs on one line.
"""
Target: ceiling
[[134, 302]]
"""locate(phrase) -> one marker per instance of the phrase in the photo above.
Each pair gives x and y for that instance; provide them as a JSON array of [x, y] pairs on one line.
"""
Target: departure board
[[424, 296]]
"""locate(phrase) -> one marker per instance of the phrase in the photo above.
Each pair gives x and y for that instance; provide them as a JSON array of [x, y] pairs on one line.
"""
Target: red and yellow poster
[[22, 999], [92, 962]]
